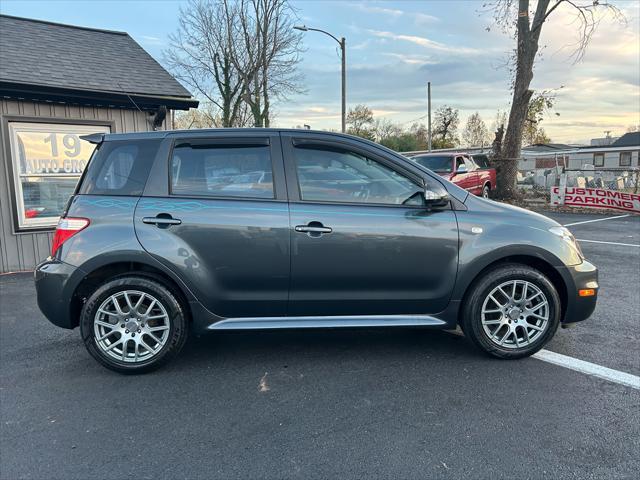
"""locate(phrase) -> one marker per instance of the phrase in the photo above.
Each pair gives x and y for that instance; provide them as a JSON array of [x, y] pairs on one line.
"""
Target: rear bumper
[[54, 291], [579, 277]]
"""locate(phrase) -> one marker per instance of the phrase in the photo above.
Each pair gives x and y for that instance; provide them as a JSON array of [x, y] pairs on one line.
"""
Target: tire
[[520, 318], [486, 191], [133, 343]]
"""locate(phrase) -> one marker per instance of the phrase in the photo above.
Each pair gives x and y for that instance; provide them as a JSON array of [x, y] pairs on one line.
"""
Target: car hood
[[513, 213]]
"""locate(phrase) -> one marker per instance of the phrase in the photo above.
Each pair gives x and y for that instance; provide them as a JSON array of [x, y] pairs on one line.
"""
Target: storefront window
[[47, 161]]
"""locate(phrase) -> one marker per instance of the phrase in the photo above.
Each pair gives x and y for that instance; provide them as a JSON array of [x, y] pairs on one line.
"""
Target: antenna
[[128, 96]]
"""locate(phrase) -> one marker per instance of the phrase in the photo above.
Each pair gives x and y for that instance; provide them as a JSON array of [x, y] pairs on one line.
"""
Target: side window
[[222, 171], [119, 168], [625, 159], [598, 159], [459, 163], [343, 176]]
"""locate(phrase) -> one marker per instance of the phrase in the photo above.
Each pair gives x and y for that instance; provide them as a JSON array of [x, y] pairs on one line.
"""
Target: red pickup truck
[[461, 169]]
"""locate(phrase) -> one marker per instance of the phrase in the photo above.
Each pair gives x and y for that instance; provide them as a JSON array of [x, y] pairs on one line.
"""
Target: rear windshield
[[120, 168], [435, 163]]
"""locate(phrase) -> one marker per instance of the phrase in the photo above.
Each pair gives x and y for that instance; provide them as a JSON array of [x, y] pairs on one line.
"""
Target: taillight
[[67, 228]]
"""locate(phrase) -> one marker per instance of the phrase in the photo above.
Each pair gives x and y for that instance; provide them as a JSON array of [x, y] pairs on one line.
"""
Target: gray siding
[[24, 250]]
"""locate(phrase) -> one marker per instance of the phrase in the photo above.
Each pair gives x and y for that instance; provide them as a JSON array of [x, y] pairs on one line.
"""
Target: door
[[221, 222], [362, 241], [466, 175]]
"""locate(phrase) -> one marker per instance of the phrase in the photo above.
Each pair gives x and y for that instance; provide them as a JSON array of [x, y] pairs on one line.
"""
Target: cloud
[[419, 18], [411, 59], [149, 40], [425, 42], [373, 9]]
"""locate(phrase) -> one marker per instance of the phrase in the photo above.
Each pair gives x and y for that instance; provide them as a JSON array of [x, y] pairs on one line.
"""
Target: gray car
[[232, 229]]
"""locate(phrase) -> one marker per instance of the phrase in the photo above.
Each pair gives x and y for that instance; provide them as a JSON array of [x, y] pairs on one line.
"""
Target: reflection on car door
[[356, 248]]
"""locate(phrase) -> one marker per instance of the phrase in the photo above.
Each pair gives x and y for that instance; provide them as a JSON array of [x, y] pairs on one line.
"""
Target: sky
[[395, 47]]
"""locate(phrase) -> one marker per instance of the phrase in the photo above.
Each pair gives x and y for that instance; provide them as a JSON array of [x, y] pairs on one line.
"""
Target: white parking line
[[609, 243], [589, 368], [597, 220], [581, 366]]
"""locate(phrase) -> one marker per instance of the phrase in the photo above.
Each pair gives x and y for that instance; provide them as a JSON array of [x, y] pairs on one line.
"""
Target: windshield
[[435, 163]]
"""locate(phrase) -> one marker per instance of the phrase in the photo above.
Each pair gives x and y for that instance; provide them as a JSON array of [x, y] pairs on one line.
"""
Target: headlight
[[568, 237]]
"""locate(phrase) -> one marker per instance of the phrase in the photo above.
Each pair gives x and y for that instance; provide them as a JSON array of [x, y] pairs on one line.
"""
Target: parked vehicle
[[215, 230], [461, 169]]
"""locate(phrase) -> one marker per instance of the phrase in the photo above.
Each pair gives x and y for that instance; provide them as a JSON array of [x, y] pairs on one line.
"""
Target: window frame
[[630, 154], [293, 185], [600, 154], [224, 140], [45, 125]]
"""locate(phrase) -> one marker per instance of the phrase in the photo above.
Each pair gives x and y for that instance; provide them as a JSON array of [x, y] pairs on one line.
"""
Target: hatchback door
[[363, 242], [215, 212]]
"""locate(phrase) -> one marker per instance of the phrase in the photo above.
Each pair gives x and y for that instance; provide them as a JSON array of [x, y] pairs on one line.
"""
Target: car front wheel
[[486, 190], [512, 312], [133, 324]]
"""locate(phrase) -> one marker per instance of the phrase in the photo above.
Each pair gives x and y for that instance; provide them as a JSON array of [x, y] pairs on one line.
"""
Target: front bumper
[[580, 277], [54, 291]]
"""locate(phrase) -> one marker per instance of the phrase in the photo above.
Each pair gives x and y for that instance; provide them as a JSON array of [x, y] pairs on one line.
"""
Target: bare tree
[[529, 24], [475, 132], [201, 54], [268, 56], [236, 53], [445, 127], [360, 122]]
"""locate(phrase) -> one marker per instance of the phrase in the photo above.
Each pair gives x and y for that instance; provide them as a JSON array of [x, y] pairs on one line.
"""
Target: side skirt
[[350, 321]]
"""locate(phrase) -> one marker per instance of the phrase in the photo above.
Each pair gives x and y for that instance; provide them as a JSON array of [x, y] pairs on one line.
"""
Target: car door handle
[[314, 229], [162, 220]]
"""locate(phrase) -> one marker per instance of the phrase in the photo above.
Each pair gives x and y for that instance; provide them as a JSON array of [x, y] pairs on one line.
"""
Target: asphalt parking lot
[[331, 404]]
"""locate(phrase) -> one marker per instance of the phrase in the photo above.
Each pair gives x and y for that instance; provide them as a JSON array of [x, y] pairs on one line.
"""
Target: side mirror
[[434, 199], [461, 169]]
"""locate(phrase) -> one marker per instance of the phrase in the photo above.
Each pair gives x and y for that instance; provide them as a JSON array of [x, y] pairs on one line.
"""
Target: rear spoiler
[[95, 138]]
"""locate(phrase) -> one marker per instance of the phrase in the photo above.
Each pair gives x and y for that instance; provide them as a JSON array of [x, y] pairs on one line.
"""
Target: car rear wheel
[[486, 190], [512, 312], [133, 325]]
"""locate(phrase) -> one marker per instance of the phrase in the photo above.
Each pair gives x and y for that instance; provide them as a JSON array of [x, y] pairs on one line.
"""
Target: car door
[[357, 249], [215, 212]]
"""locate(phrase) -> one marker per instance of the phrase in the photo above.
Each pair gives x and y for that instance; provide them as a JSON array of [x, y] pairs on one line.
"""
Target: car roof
[[218, 131], [442, 154]]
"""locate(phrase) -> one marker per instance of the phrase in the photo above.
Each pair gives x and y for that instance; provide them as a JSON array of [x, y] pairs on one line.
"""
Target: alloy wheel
[[131, 326], [515, 314]]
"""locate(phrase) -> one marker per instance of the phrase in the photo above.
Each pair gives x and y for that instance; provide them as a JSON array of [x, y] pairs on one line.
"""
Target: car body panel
[[241, 258]]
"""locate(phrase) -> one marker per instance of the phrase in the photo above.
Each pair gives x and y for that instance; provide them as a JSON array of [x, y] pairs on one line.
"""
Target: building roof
[[631, 139], [40, 58], [548, 147]]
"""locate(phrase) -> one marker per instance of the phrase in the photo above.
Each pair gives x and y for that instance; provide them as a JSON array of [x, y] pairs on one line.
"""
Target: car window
[[471, 165], [120, 168], [459, 162], [436, 163], [343, 176], [221, 171], [481, 160]]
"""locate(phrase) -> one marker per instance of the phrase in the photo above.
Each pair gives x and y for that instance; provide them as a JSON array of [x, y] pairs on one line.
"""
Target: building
[[57, 83], [623, 153]]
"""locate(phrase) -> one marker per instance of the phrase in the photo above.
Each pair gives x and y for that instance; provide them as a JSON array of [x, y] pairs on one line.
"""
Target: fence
[[617, 179]]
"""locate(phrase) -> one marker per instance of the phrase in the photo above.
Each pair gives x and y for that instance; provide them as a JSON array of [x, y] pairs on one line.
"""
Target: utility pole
[[343, 47], [429, 102]]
